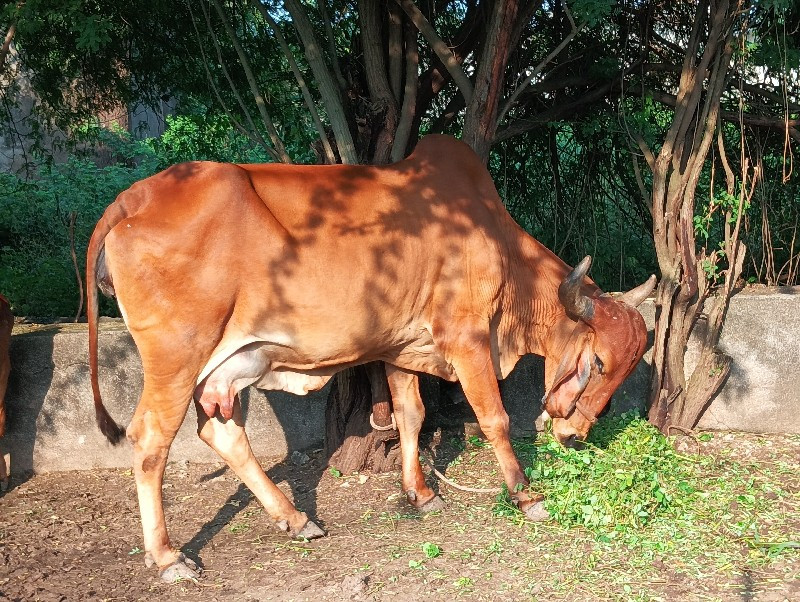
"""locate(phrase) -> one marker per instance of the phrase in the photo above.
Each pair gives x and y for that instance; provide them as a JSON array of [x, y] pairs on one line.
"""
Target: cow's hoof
[[310, 531], [432, 505], [183, 569], [537, 512]]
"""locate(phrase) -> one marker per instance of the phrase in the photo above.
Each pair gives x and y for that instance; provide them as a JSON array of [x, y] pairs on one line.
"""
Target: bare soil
[[76, 536]]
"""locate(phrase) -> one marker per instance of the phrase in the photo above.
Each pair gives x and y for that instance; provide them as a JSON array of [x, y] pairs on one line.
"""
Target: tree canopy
[[564, 93]]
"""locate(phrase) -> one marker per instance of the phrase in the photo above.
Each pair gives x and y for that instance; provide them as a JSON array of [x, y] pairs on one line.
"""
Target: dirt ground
[[76, 536]]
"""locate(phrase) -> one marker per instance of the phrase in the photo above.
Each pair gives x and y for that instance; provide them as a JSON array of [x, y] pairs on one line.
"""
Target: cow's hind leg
[[409, 413], [229, 439], [157, 419]]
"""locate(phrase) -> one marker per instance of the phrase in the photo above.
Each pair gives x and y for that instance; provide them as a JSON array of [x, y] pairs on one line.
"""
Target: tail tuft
[[113, 432]]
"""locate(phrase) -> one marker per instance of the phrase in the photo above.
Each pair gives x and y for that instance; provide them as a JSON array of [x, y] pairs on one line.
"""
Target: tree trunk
[[682, 292], [351, 443], [480, 123]]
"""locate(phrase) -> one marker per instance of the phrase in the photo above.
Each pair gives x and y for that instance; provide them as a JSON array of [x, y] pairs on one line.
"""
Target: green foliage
[[635, 478], [572, 189], [628, 475], [636, 496], [35, 265], [431, 550], [208, 137], [592, 11]]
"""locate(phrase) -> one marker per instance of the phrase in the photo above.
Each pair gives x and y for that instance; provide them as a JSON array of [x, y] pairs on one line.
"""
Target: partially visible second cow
[[279, 276], [6, 323]]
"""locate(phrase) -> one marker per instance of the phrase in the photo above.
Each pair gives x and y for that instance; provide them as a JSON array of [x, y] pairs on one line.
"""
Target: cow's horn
[[578, 305], [636, 295]]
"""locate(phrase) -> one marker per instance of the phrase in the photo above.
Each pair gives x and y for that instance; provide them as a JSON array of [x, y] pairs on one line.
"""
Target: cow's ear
[[571, 377]]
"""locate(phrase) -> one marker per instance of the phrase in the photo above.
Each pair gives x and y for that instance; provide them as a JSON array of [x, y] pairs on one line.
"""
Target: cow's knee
[[410, 418], [134, 431], [495, 427]]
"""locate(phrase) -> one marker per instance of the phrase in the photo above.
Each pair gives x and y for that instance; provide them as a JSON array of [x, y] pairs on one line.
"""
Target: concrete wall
[[51, 416], [762, 393], [51, 423]]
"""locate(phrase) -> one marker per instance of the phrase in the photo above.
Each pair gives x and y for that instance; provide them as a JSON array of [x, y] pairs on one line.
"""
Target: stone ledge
[[51, 416], [51, 412]]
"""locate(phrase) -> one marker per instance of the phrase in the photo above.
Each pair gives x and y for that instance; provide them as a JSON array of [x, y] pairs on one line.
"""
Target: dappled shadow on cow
[[445, 283]]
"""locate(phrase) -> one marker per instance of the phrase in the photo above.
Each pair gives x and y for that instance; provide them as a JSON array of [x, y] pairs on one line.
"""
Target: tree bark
[[480, 123], [382, 100], [683, 289], [351, 444], [409, 107]]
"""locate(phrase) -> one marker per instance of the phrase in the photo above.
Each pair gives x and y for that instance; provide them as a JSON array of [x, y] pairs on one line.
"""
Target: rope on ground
[[455, 485]]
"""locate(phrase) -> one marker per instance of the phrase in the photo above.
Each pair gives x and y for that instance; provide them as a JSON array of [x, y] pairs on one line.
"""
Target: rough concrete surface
[[51, 416], [51, 413], [762, 393]]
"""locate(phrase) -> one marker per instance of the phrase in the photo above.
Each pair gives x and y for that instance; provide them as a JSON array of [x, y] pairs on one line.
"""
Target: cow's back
[[322, 260]]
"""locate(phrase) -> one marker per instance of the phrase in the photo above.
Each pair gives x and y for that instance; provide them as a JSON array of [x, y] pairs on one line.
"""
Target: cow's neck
[[530, 300]]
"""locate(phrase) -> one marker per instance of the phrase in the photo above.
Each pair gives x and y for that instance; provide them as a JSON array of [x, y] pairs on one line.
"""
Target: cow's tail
[[95, 262]]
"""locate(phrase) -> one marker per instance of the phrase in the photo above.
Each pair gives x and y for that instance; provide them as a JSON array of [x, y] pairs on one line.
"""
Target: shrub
[[36, 271]]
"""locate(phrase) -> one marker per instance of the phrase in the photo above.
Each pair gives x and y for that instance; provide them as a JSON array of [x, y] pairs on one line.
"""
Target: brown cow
[[279, 276], [6, 323]]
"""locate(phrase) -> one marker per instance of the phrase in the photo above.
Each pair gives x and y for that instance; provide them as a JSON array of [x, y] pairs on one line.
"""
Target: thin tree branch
[[538, 69], [254, 89], [245, 111], [330, 91], [326, 19], [766, 121], [648, 154], [409, 94], [640, 181], [395, 50], [7, 44], [439, 46], [73, 217], [254, 135], [301, 83], [561, 110]]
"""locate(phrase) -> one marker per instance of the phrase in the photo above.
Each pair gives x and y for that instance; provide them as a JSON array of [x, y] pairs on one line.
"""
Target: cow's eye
[[598, 364]]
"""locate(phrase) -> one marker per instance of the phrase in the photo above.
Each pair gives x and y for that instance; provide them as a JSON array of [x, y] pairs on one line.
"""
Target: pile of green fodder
[[635, 495], [627, 474]]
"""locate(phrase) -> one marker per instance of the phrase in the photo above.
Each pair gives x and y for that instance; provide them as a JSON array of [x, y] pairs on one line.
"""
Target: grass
[[630, 500], [633, 519]]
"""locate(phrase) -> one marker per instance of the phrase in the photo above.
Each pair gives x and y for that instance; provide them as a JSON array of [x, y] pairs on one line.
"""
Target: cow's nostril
[[572, 442]]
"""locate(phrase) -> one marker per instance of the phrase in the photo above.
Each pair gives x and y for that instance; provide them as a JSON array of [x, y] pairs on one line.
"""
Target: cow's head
[[592, 349]]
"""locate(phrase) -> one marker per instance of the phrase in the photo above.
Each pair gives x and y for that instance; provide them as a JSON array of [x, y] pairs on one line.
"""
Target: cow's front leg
[[409, 413], [473, 365], [229, 439], [152, 430]]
